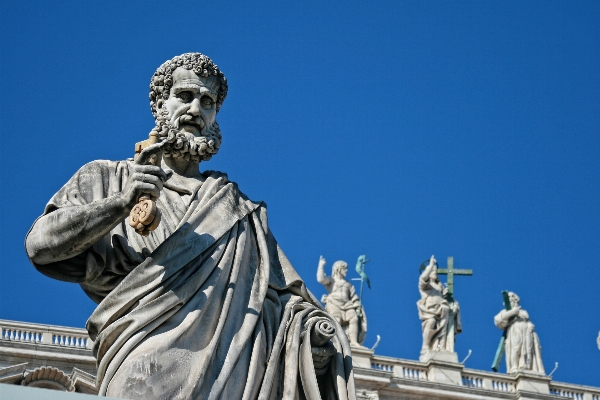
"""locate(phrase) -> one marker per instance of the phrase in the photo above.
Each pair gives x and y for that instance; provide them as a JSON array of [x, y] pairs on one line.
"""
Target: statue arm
[[71, 228], [69, 231], [504, 318], [353, 296], [322, 278], [424, 278]]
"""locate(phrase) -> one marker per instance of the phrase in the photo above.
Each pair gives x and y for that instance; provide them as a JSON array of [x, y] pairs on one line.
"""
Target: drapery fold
[[206, 307]]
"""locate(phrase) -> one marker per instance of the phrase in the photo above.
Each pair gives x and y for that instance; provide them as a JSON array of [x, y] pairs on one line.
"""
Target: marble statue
[[522, 346], [440, 318], [201, 303], [341, 302]]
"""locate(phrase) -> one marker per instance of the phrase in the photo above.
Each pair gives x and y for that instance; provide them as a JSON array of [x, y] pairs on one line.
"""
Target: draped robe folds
[[521, 340], [205, 307], [433, 305]]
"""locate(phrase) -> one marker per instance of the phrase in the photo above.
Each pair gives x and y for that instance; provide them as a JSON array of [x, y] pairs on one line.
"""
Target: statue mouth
[[194, 129], [188, 120]]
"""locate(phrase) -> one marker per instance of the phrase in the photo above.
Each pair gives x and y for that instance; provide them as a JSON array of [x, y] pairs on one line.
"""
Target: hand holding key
[[144, 186]]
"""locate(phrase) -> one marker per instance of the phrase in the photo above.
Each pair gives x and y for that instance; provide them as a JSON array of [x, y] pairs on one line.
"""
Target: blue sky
[[392, 129]]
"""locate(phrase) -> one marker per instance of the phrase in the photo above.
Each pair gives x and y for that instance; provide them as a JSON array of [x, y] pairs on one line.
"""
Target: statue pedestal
[[439, 355], [361, 357], [532, 382], [443, 367]]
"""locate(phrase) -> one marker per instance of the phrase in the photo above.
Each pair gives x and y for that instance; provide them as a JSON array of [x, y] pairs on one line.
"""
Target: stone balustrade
[[405, 369], [489, 380], [32, 346], [482, 384], [576, 392], [376, 376], [44, 334]]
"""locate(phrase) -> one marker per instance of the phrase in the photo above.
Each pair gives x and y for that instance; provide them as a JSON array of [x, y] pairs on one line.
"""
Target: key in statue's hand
[[143, 187]]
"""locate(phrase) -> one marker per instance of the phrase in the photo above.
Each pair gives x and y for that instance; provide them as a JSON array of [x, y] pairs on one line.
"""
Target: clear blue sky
[[396, 130]]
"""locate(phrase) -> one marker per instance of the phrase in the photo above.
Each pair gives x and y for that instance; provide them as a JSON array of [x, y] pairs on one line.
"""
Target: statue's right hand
[[322, 261], [144, 180]]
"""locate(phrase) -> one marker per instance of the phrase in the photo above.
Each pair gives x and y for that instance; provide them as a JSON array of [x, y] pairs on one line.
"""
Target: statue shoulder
[[222, 179], [100, 170], [348, 284], [216, 175], [103, 166], [93, 181]]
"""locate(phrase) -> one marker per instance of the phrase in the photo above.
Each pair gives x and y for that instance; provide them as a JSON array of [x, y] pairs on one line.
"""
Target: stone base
[[361, 357], [536, 382], [443, 367], [441, 355]]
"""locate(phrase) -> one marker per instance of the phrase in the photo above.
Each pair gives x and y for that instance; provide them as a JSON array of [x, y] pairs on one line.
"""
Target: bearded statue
[[205, 305]]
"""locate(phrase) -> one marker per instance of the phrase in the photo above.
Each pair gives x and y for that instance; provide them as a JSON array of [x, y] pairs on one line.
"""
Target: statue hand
[[515, 311], [145, 179], [432, 260], [322, 262], [322, 357]]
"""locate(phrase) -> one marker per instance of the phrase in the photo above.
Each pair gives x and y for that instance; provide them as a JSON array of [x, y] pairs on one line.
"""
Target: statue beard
[[186, 145]]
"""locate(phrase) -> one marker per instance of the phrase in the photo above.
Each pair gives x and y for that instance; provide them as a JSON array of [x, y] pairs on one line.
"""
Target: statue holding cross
[[438, 310]]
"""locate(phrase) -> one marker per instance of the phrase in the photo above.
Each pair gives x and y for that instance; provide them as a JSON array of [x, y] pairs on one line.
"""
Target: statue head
[[186, 93], [339, 269], [514, 299]]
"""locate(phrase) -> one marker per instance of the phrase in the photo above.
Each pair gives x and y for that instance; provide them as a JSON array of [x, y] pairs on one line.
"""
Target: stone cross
[[450, 271]]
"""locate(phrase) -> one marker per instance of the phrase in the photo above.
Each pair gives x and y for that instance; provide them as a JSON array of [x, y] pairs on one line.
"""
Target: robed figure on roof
[[522, 344]]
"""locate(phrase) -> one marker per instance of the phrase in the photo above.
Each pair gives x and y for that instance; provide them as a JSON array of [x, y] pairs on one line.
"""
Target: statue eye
[[207, 101], [185, 96]]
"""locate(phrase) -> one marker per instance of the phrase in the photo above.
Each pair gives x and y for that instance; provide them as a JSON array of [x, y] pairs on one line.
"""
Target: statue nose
[[194, 107]]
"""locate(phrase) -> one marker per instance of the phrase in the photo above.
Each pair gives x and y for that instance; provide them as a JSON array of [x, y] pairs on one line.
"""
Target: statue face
[[344, 270], [514, 299], [191, 105]]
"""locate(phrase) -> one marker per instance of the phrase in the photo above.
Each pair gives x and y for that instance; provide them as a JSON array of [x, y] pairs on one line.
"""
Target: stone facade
[[54, 357], [57, 357]]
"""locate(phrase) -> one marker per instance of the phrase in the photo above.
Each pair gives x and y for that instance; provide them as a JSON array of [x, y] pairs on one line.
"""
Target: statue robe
[[433, 305], [205, 307], [522, 340]]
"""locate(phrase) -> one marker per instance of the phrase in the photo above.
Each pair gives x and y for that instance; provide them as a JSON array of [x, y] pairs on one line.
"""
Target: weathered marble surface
[[342, 302], [207, 305], [523, 351], [440, 320]]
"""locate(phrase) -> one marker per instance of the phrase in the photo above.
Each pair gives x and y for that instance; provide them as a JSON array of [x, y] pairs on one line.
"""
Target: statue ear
[[159, 104]]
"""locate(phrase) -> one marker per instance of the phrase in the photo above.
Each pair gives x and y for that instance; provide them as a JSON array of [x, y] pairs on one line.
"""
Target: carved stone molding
[[49, 378], [84, 382], [13, 374]]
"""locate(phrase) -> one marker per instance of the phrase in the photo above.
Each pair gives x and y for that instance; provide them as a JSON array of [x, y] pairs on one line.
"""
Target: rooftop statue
[[439, 313], [196, 300], [341, 302], [522, 345]]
